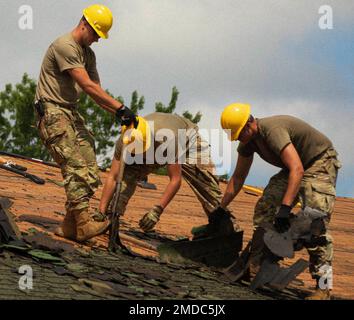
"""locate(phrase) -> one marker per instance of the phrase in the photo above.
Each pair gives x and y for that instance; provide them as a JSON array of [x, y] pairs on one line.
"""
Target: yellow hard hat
[[234, 118], [100, 19], [141, 136]]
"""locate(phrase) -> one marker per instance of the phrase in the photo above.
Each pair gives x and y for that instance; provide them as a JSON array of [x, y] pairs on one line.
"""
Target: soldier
[[308, 174], [69, 66], [182, 160]]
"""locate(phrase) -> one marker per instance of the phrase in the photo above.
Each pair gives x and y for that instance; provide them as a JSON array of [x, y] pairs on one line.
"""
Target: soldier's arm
[[109, 186], [237, 180], [94, 90], [175, 175], [97, 82], [292, 161]]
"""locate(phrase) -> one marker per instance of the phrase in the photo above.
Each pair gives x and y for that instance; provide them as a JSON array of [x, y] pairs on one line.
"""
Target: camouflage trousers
[[203, 183], [72, 146], [317, 191]]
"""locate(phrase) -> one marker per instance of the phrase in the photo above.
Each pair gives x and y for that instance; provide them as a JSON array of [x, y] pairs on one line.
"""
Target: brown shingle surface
[[184, 212]]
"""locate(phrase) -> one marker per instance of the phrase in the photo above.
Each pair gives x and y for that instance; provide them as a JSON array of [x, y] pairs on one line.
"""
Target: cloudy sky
[[271, 54]]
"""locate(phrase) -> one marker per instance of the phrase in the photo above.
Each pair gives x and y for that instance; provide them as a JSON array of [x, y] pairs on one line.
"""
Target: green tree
[[160, 107], [195, 119], [21, 136], [4, 122], [137, 103]]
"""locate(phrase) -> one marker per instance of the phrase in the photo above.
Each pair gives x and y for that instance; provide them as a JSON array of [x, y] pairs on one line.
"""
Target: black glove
[[126, 117], [282, 219], [220, 223], [218, 215]]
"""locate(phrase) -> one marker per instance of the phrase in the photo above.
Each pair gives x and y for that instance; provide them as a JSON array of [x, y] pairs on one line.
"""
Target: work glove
[[282, 219], [126, 117], [149, 220], [219, 214], [220, 222]]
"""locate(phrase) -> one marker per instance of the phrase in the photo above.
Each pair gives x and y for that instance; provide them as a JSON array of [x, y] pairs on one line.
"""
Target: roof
[[91, 272]]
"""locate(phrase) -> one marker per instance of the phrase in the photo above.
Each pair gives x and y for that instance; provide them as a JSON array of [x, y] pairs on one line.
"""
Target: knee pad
[[318, 227], [318, 241]]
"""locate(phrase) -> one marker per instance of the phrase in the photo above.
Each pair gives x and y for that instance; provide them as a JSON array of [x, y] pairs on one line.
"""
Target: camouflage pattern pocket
[[322, 196]]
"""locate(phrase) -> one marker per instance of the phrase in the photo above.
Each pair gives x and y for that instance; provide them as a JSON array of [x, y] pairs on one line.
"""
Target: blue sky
[[269, 53]]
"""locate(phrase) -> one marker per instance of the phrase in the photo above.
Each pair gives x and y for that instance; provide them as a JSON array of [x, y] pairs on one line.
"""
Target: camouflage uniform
[[71, 145], [317, 191], [62, 128]]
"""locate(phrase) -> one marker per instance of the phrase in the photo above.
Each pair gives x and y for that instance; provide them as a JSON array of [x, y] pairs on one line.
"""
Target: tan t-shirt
[[159, 121], [276, 132], [55, 84]]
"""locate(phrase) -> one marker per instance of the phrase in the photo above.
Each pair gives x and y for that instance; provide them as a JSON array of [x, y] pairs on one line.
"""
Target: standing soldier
[[68, 67], [309, 168]]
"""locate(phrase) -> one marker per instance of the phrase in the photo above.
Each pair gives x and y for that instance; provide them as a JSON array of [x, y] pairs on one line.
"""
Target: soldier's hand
[[149, 220], [282, 219], [126, 117]]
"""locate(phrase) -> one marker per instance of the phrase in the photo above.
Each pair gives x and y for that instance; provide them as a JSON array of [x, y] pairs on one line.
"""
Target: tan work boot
[[68, 227], [320, 294], [86, 228]]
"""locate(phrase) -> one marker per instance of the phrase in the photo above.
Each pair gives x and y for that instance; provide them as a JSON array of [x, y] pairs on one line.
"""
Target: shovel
[[115, 244]]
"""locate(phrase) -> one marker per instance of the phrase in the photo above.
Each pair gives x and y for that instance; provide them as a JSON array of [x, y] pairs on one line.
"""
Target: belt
[[67, 106], [330, 152]]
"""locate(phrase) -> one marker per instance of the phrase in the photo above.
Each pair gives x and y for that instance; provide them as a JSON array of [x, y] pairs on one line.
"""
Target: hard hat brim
[[235, 134], [101, 34]]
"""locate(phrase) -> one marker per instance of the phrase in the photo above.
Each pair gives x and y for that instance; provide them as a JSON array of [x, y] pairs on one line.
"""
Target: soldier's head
[[87, 34], [249, 130], [95, 23], [237, 120]]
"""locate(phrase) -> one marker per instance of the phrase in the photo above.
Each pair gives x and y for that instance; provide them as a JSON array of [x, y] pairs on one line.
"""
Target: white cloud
[[222, 49]]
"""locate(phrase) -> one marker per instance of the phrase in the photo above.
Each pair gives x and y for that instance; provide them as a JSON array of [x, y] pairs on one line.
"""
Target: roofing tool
[[115, 243], [11, 164], [281, 244], [306, 223], [10, 167], [19, 156]]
